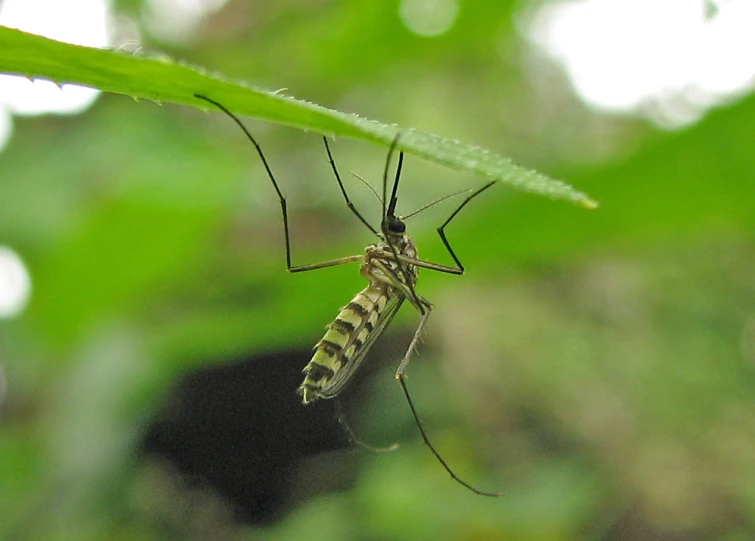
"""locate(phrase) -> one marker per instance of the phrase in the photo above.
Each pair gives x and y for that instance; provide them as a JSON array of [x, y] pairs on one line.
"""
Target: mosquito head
[[393, 227]]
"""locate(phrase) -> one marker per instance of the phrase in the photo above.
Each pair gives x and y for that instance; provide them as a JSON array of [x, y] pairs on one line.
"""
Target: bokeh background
[[597, 365]]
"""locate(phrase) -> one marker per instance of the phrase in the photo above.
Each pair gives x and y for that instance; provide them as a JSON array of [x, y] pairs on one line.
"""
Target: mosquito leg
[[282, 199], [419, 262], [349, 204], [427, 308], [442, 233], [402, 381], [330, 263], [401, 377]]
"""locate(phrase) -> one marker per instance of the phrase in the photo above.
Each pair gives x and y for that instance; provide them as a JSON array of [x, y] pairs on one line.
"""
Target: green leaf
[[163, 80]]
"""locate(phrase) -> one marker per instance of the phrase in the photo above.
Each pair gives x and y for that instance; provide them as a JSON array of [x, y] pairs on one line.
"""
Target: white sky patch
[[669, 59], [176, 20], [24, 97], [15, 284], [82, 22], [6, 125], [429, 17]]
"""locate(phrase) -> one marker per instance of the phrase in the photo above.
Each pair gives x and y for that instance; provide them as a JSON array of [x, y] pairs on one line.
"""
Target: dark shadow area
[[240, 430]]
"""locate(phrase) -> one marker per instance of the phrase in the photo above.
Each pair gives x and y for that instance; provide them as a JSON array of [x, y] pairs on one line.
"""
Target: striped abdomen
[[345, 340]]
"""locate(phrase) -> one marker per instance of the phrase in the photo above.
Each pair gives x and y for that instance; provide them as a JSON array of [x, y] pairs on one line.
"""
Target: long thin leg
[[428, 308], [282, 199], [419, 262], [402, 381], [349, 204], [330, 263], [401, 377], [442, 233]]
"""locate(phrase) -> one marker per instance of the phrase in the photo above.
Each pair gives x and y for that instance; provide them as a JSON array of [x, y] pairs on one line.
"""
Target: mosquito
[[391, 267]]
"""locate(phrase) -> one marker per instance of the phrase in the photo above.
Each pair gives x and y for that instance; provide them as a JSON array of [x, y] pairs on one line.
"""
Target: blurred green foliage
[[598, 366]]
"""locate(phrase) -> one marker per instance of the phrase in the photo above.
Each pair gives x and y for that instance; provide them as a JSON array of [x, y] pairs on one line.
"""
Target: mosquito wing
[[344, 375]]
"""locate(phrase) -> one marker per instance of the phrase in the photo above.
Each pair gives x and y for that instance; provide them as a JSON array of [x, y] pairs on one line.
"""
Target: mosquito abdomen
[[345, 336]]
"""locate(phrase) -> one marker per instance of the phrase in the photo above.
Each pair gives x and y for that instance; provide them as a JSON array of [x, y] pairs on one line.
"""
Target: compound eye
[[396, 226]]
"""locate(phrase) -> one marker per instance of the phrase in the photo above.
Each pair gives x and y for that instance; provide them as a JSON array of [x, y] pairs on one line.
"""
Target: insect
[[391, 267]]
